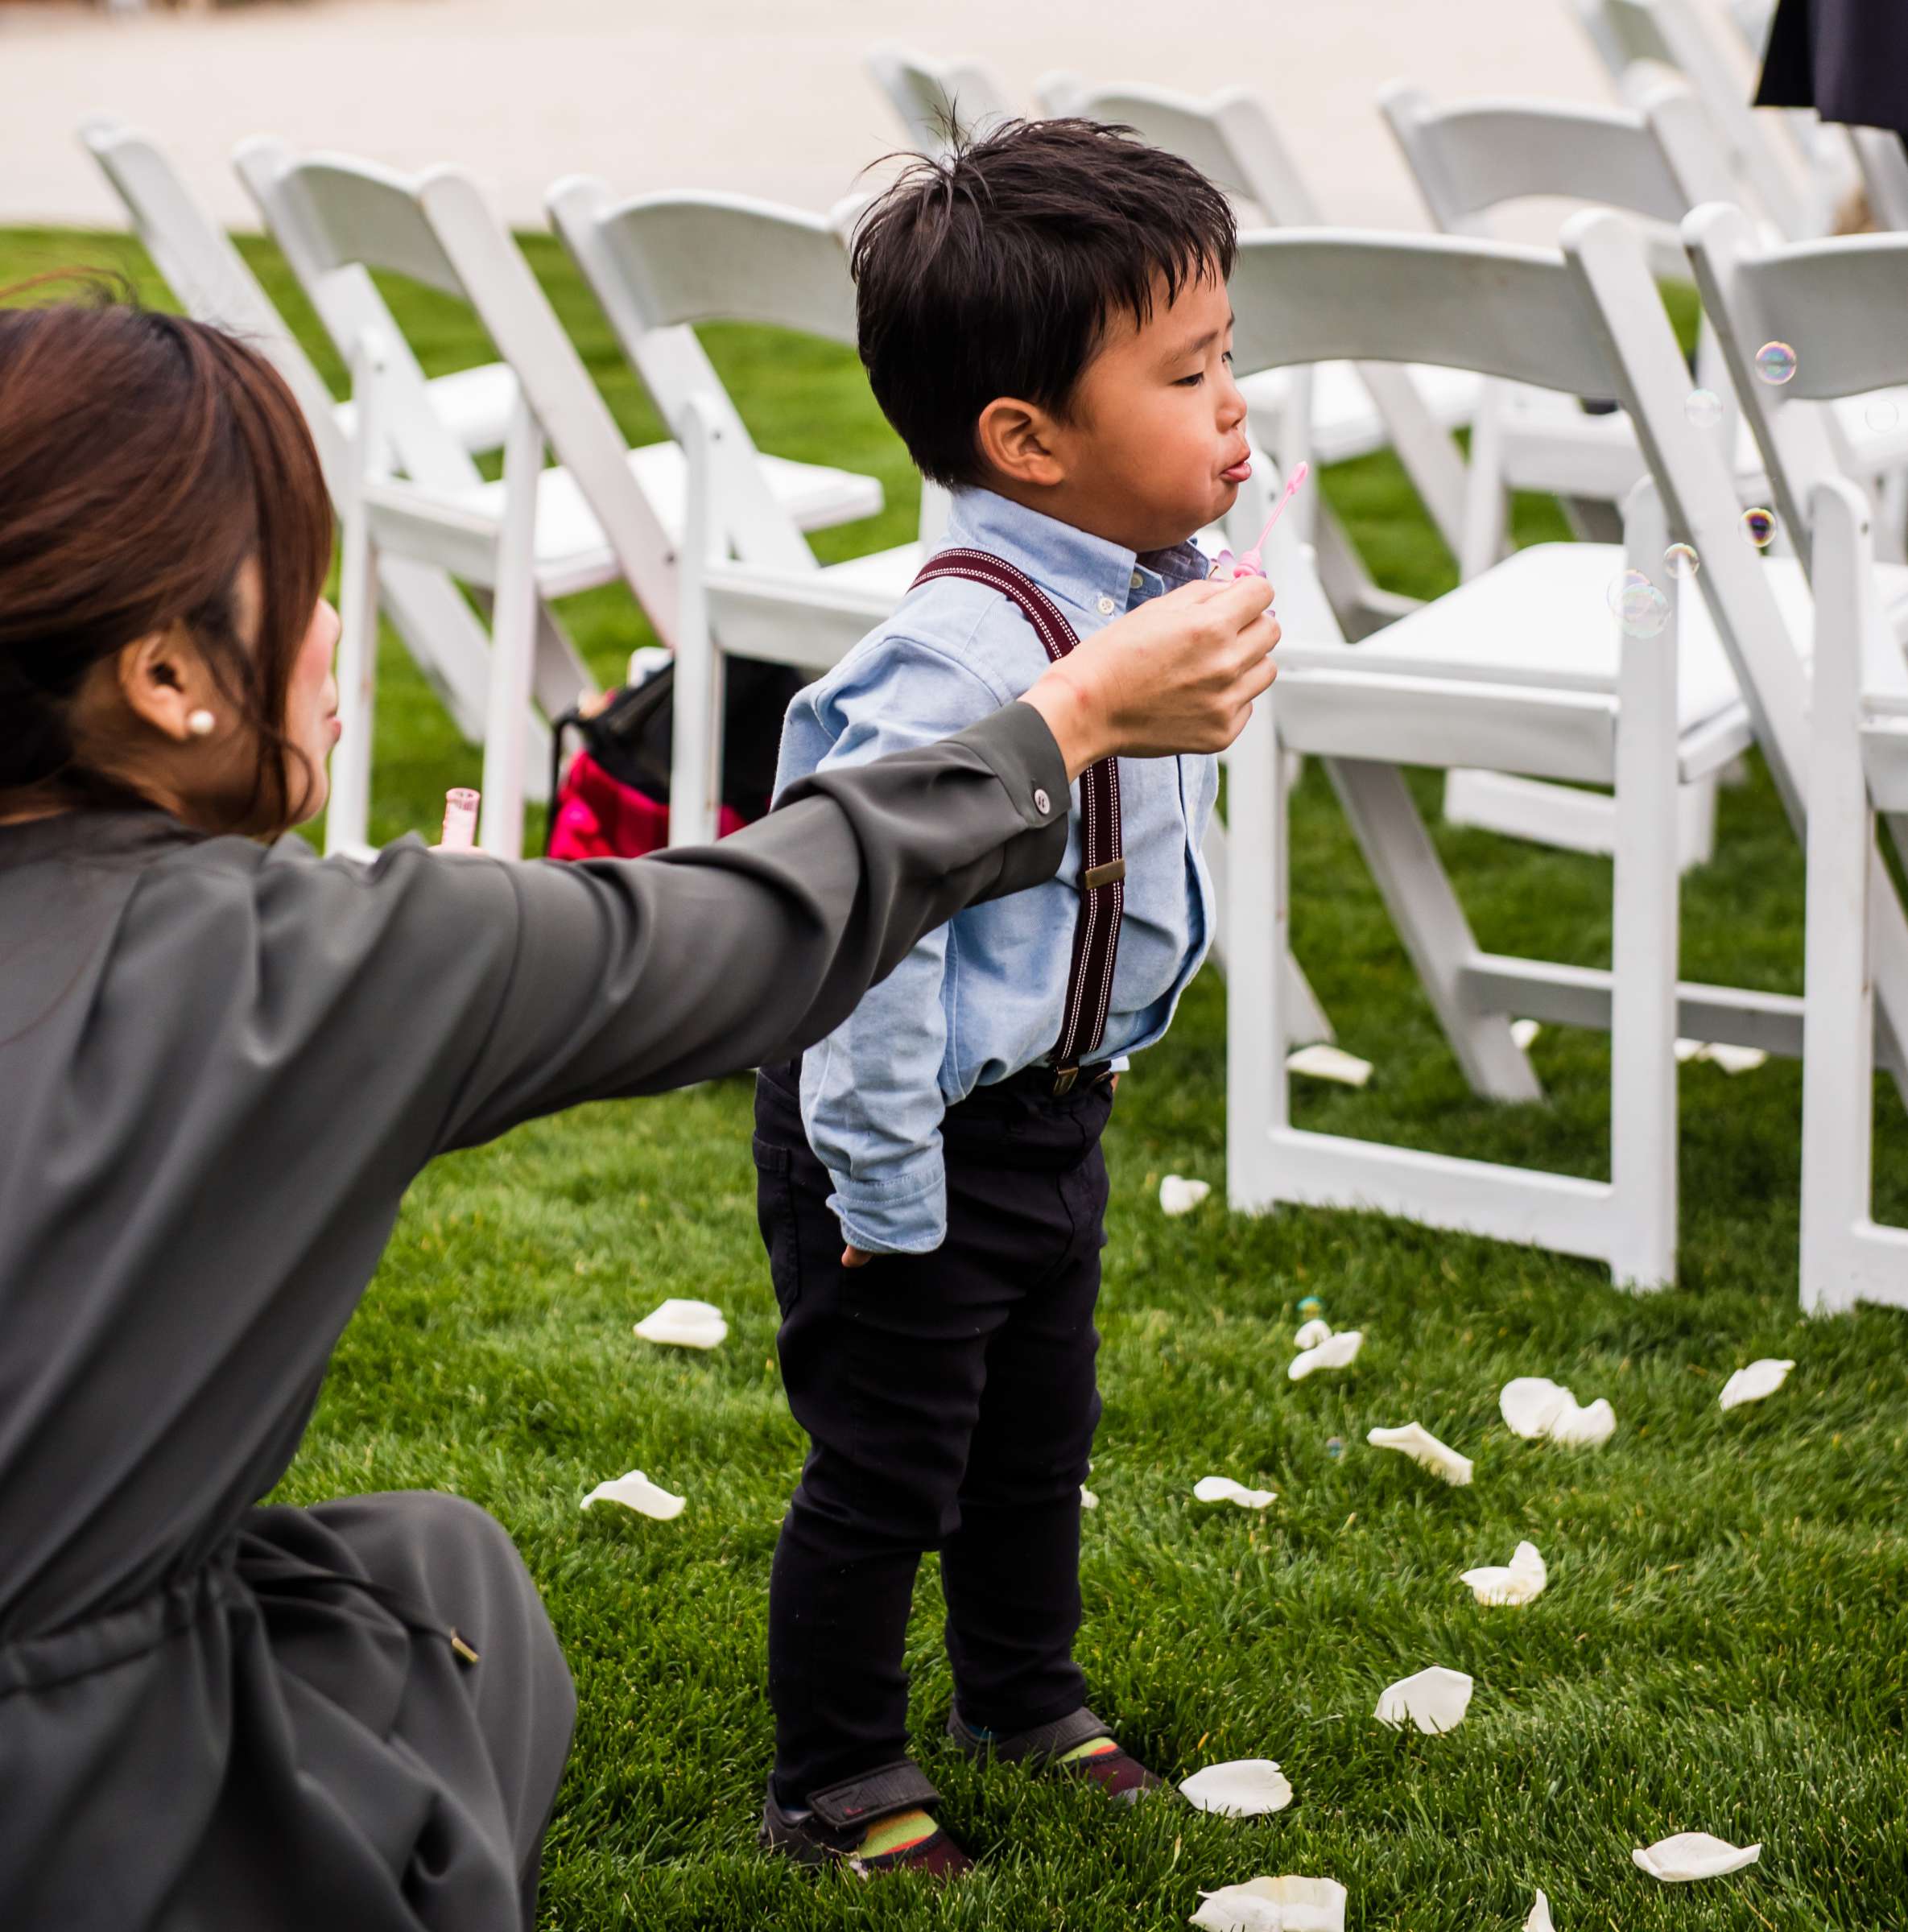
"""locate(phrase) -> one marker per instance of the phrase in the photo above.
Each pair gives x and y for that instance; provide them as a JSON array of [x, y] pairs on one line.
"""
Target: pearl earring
[[200, 724]]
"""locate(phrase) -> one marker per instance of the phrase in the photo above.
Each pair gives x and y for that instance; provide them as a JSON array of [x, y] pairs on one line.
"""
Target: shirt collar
[[1096, 578]]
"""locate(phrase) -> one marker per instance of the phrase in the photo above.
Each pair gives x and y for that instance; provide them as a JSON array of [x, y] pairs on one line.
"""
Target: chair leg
[[347, 813], [1258, 1021], [1418, 893], [513, 640], [1846, 879], [1644, 941]]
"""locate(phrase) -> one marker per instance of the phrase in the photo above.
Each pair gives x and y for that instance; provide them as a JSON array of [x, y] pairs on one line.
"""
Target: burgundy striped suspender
[[1103, 871]]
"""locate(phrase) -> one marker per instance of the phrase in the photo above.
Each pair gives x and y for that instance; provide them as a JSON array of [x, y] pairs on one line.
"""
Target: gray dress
[[220, 1066]]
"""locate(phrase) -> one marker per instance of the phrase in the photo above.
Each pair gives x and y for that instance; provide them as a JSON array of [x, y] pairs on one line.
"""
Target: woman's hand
[[1178, 674]]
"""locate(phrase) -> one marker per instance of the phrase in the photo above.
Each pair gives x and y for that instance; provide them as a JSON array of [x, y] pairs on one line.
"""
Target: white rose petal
[[1424, 1449], [1275, 1904], [1578, 1427], [1735, 1059], [1540, 1920], [1178, 1195], [1516, 1582], [682, 1324], [1535, 1407], [1223, 1489], [1337, 1351], [1087, 1500], [1435, 1700], [1247, 1787], [1314, 1332], [1693, 1855], [1323, 1062], [636, 1492], [1529, 1404], [1751, 1384], [1523, 1032]]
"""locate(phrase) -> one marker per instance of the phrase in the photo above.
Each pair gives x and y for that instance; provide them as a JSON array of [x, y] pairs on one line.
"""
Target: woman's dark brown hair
[[143, 458]]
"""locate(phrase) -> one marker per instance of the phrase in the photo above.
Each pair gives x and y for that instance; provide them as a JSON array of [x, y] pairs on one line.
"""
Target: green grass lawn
[[1721, 1647]]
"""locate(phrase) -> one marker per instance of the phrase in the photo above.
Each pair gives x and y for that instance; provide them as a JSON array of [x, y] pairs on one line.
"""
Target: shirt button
[[1106, 606], [1042, 803], [1138, 581]]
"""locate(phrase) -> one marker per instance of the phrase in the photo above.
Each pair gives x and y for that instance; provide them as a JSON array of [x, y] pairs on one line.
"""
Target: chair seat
[[573, 554], [1542, 615], [1540, 623], [473, 404], [1346, 422]]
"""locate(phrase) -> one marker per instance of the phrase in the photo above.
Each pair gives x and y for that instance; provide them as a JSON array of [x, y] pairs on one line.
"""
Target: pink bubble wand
[[1249, 565]]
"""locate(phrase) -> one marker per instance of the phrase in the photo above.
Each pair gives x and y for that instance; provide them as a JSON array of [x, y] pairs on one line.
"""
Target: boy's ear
[[1016, 442]]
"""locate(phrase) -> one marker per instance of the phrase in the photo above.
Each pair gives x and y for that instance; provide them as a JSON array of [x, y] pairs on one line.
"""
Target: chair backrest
[[338, 219], [1669, 33], [306, 205], [937, 98], [1841, 302], [1230, 138], [660, 264], [1306, 295], [210, 276], [1883, 160], [1693, 475], [1471, 157]]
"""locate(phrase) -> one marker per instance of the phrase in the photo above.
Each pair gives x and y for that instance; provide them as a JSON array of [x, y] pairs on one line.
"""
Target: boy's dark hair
[[995, 271]]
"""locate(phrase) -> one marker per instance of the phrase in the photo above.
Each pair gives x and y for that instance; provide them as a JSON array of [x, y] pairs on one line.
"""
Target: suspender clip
[[1063, 1078]]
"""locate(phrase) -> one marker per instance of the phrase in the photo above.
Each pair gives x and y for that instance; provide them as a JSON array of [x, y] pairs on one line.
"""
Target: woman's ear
[[1017, 442], [166, 684]]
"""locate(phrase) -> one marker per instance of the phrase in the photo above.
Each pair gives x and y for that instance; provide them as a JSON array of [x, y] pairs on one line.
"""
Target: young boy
[[1044, 320]]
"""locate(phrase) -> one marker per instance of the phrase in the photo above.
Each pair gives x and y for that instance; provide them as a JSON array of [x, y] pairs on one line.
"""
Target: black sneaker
[[1079, 1745], [871, 1825]]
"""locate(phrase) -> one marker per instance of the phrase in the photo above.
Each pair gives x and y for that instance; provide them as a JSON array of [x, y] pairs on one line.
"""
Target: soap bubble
[[1775, 362], [1643, 611], [1681, 560], [1758, 525], [1334, 1446], [1621, 587], [1703, 407], [1311, 1308], [1882, 415]]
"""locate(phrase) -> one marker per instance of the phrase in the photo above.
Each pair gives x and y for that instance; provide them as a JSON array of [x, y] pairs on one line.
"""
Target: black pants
[[950, 1405]]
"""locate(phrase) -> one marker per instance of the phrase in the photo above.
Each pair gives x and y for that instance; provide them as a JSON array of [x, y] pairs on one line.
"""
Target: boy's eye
[[1190, 381]]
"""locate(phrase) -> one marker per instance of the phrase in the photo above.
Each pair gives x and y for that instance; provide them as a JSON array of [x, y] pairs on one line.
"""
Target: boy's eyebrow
[[1200, 343]]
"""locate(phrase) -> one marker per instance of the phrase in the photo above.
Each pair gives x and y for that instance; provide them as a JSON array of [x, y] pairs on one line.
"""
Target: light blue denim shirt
[[984, 996]]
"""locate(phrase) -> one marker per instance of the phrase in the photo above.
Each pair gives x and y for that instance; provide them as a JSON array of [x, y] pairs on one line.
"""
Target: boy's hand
[[1178, 674], [856, 1257]]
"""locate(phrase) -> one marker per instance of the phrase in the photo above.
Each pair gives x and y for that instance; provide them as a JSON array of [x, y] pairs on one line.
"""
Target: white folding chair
[[936, 99], [1840, 730], [1792, 184], [535, 535], [658, 265], [210, 277], [1471, 159], [1456, 684], [1858, 768], [1336, 412]]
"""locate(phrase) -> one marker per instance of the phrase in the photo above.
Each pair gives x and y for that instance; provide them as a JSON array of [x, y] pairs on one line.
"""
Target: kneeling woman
[[222, 1061]]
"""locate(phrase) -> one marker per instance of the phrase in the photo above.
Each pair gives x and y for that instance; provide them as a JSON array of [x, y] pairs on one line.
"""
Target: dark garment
[[220, 1066], [1847, 59], [950, 1405]]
